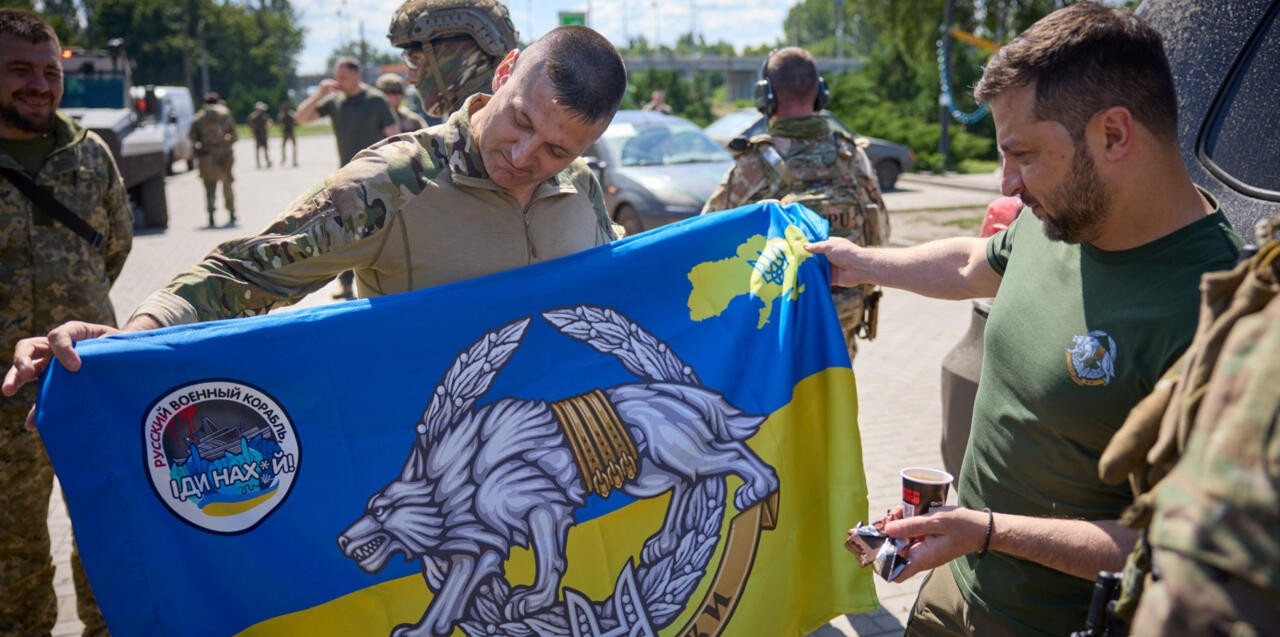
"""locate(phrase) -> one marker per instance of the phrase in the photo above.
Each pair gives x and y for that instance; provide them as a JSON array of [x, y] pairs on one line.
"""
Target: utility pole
[[944, 109], [840, 34], [204, 60]]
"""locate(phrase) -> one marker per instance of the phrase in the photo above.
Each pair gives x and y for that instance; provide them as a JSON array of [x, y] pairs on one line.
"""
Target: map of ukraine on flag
[[654, 437]]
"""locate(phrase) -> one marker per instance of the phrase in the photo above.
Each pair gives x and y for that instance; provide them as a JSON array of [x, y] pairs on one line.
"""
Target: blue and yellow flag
[[655, 437]]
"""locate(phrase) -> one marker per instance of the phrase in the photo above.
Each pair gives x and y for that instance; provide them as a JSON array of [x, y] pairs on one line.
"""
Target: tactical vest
[[828, 179]]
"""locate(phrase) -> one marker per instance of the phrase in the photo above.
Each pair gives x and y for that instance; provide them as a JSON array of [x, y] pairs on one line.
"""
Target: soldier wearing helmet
[[451, 47], [392, 85]]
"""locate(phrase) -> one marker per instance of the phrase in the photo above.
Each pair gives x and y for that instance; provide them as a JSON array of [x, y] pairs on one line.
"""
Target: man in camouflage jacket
[[805, 160], [49, 274], [497, 186]]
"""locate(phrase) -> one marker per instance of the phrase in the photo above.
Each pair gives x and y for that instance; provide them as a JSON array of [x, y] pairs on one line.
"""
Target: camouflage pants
[[28, 604], [850, 307], [1192, 598]]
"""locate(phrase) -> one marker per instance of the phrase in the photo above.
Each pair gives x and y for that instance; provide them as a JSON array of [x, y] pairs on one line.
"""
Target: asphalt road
[[898, 374]]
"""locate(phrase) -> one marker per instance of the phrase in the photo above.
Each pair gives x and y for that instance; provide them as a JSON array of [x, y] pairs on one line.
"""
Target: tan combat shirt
[[414, 211]]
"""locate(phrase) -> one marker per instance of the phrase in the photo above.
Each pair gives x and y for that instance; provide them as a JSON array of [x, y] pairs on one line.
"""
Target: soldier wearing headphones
[[804, 159]]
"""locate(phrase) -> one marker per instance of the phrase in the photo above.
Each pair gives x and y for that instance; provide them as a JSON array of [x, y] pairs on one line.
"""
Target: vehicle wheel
[[155, 209], [626, 217], [887, 172]]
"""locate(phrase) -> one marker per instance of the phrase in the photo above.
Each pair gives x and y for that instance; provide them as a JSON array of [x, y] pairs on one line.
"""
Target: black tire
[[626, 217], [887, 172], [155, 208]]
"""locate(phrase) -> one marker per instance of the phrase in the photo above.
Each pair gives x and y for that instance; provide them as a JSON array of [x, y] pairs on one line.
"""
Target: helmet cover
[[466, 40]]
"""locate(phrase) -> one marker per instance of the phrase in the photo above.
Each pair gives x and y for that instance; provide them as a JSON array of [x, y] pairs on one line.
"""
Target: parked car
[[1224, 65], [888, 158], [172, 109], [656, 168]]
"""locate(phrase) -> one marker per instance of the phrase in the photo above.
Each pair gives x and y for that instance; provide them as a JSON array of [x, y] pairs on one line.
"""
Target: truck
[[98, 94]]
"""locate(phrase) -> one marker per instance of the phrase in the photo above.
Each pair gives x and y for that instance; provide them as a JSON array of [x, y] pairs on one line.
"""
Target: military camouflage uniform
[[413, 211], [287, 122], [213, 131], [49, 275], [259, 122], [1204, 455], [808, 146]]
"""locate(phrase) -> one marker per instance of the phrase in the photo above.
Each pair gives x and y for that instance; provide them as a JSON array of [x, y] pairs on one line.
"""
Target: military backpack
[[828, 178]]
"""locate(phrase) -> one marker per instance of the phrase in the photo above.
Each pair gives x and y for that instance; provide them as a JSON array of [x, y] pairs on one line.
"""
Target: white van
[[172, 109]]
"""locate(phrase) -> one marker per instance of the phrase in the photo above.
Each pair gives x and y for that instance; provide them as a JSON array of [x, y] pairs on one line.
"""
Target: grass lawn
[[318, 127]]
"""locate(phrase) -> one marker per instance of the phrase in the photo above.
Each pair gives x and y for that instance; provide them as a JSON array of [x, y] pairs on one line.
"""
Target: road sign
[[568, 18]]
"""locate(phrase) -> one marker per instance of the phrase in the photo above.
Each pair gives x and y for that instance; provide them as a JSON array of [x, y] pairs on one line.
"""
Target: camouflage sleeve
[[585, 180], [119, 213], [342, 224], [231, 127], [868, 176], [719, 199]]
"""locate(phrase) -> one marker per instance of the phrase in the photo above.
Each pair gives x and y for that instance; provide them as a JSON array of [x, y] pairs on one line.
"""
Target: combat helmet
[[462, 42]]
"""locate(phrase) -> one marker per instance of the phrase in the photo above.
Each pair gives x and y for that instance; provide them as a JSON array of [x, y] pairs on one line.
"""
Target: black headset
[[767, 101]]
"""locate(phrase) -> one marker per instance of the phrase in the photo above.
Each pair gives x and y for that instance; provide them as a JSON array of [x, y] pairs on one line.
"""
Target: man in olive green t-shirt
[[361, 117], [1096, 293]]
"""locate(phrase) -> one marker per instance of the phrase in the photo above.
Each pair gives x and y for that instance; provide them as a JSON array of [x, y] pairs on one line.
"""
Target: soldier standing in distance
[[49, 274], [392, 86], [259, 123], [804, 159], [213, 131], [286, 121]]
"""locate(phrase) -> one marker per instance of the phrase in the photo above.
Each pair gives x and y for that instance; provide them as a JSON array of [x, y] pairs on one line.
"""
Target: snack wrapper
[[872, 546]]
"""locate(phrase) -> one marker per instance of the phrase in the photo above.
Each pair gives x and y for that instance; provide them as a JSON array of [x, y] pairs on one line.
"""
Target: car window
[[677, 142], [733, 124], [1242, 142]]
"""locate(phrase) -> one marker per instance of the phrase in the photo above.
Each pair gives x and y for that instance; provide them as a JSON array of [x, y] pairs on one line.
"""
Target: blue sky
[[740, 22]]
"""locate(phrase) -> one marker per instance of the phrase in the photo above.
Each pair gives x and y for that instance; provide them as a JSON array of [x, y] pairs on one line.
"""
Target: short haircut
[[585, 70], [1083, 59], [26, 25], [793, 73], [349, 63]]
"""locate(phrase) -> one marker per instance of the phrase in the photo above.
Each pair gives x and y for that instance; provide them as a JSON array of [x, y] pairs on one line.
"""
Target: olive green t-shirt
[[358, 120], [1076, 337]]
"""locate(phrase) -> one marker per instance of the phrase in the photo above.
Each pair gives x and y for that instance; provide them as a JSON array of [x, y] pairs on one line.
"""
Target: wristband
[[986, 541]]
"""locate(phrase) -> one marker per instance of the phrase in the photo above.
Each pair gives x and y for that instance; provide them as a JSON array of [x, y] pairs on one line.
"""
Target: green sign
[[573, 17]]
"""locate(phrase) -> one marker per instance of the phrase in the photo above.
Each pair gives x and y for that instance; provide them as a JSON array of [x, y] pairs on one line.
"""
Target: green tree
[[364, 51], [250, 44]]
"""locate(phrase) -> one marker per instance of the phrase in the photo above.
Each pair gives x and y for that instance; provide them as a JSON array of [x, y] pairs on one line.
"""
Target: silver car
[[655, 168]]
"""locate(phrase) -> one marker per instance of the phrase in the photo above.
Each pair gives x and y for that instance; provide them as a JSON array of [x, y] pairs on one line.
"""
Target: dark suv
[[1226, 63]]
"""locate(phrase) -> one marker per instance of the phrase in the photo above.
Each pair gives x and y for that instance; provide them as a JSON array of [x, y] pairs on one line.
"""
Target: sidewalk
[[898, 374]]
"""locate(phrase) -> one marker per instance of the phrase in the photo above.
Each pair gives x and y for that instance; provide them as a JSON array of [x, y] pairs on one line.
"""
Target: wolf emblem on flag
[[480, 481]]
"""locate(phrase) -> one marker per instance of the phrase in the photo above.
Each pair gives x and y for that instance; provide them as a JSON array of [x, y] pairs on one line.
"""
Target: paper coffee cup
[[923, 488]]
